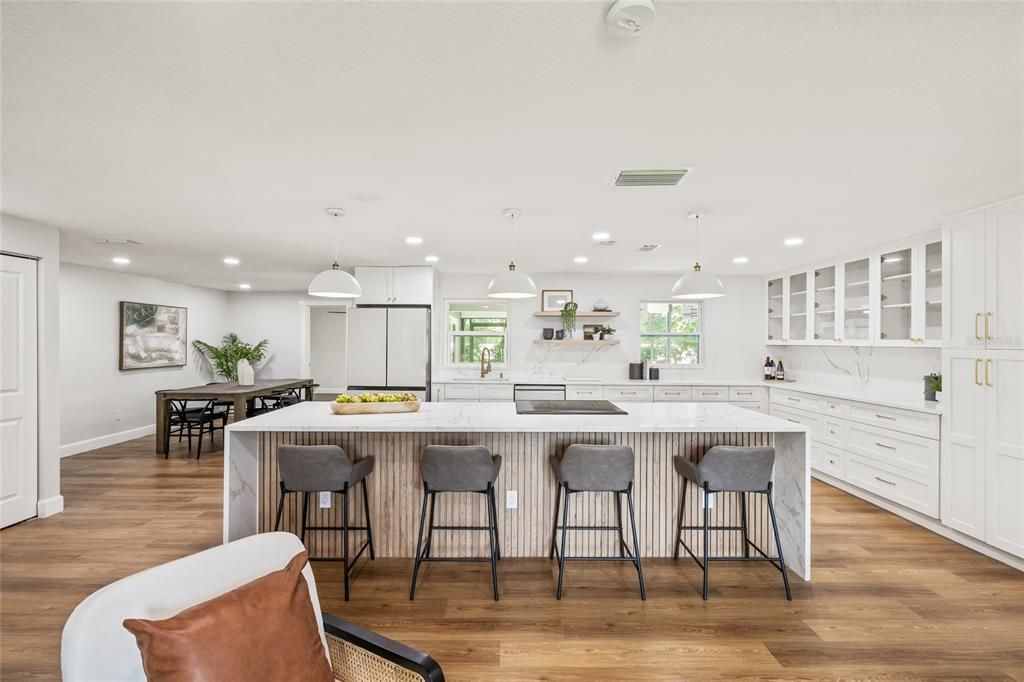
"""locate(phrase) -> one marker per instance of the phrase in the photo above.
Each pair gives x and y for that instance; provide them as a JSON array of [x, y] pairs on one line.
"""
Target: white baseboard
[[50, 506], [104, 441], [934, 525]]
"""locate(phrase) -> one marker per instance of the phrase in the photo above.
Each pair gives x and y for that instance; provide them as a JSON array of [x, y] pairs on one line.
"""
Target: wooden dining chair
[[195, 418]]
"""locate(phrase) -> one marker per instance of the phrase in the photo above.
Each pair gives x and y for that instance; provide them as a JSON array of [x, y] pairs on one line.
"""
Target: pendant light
[[697, 285], [335, 283], [512, 283]]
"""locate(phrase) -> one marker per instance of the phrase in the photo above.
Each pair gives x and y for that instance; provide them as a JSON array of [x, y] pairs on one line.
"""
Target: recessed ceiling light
[[600, 236], [120, 260], [579, 259], [413, 241], [431, 259], [740, 260], [794, 241], [231, 260], [244, 286]]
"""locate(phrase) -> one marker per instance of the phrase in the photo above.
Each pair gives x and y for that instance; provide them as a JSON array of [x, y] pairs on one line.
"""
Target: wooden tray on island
[[375, 408]]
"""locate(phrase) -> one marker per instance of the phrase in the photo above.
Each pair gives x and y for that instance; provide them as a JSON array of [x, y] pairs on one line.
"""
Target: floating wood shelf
[[585, 313], [576, 342]]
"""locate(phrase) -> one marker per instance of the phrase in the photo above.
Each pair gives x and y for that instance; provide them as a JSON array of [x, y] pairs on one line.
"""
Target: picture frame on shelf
[[553, 300], [591, 332]]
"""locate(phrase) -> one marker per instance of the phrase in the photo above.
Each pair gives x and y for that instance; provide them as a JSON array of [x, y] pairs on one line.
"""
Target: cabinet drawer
[[827, 459], [584, 393], [833, 431], [741, 394], [915, 492], [900, 450], [907, 421], [811, 421], [834, 408], [629, 393], [799, 400], [749, 406], [497, 393], [460, 392], [710, 393], [676, 393]]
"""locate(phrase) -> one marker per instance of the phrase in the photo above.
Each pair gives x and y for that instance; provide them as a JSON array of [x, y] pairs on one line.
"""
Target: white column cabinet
[[1003, 376], [376, 285], [983, 280], [381, 285], [963, 443]]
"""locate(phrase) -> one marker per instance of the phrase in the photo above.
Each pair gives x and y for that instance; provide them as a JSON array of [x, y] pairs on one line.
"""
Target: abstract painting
[[153, 336]]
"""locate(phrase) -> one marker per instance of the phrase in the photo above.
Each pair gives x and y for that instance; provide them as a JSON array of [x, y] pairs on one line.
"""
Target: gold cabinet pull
[[883, 445], [885, 416], [988, 317], [977, 362], [977, 321], [884, 481], [987, 363]]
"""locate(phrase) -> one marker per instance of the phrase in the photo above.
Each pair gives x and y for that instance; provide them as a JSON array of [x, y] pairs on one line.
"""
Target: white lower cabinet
[[983, 446], [670, 394], [885, 480], [584, 392], [629, 394]]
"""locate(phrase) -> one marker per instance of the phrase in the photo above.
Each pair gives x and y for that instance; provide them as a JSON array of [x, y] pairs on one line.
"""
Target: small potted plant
[[605, 332], [933, 387], [569, 318]]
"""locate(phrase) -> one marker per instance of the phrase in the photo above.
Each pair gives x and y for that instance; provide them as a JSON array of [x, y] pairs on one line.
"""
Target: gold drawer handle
[[883, 445], [878, 478], [987, 364], [795, 400], [977, 363], [977, 321], [744, 393], [885, 416], [831, 461], [988, 317], [792, 420]]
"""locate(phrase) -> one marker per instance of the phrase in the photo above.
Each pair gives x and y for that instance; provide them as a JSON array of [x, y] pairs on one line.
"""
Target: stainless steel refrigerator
[[389, 349]]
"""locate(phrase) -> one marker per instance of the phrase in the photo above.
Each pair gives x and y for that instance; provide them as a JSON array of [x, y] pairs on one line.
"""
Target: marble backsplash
[[892, 372]]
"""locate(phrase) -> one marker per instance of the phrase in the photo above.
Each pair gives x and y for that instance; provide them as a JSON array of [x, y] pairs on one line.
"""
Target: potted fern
[[569, 318], [223, 359]]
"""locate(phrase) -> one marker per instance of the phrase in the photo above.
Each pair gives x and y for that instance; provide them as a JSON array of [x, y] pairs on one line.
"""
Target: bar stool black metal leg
[[636, 542], [565, 531], [430, 526], [305, 509], [366, 510], [554, 523], [344, 535], [618, 522], [707, 542], [419, 543], [280, 509], [743, 524], [492, 534], [494, 507], [682, 520], [778, 544]]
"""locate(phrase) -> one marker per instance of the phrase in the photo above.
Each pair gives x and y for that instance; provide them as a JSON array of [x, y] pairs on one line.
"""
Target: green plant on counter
[[569, 317], [935, 382], [224, 358], [605, 331]]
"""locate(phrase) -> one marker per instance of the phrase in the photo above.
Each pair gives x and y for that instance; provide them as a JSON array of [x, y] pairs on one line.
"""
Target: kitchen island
[[655, 431]]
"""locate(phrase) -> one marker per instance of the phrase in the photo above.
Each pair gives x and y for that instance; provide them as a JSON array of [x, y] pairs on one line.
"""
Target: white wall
[[27, 238], [734, 329], [100, 404], [328, 341], [277, 317]]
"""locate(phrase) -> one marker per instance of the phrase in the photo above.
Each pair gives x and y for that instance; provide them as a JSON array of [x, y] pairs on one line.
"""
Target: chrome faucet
[[485, 362]]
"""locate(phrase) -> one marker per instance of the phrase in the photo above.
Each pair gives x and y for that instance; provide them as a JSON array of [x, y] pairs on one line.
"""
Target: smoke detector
[[629, 18]]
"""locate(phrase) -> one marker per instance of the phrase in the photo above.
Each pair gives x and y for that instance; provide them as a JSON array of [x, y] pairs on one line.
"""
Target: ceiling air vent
[[117, 242], [605, 242], [650, 178], [649, 248]]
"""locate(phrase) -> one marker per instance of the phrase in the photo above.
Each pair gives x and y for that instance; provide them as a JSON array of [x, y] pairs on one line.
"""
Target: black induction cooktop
[[567, 407]]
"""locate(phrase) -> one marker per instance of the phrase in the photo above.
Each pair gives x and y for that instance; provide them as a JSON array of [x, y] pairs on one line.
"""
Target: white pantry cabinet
[[984, 280], [412, 285], [983, 446]]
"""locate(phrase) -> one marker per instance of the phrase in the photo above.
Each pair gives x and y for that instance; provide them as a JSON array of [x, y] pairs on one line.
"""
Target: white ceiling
[[210, 129]]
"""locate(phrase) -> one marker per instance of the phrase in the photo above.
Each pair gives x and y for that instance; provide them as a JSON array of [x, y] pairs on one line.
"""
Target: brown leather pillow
[[263, 630]]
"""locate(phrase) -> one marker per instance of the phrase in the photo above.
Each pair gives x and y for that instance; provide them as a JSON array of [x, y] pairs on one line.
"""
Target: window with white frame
[[473, 326], [671, 333]]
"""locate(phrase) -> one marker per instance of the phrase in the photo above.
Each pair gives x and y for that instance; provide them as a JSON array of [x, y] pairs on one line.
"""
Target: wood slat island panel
[[396, 493]]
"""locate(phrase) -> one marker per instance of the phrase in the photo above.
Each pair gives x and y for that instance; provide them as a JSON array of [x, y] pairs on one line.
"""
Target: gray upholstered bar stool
[[599, 469], [727, 468], [325, 468], [458, 469]]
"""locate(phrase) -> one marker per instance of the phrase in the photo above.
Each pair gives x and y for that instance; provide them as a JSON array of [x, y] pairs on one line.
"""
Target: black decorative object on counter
[[549, 333], [636, 370], [559, 334], [654, 374]]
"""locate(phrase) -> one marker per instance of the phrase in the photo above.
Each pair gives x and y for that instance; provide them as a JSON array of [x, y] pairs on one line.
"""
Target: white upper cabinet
[[983, 283], [798, 297], [825, 311], [896, 297], [856, 302], [412, 285], [776, 313]]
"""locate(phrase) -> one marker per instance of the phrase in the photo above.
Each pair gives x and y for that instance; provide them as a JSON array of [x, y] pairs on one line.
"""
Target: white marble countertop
[[501, 417], [873, 397], [599, 381]]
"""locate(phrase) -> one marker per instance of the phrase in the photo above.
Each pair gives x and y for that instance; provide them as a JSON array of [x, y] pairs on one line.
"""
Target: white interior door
[[367, 350], [963, 442], [1004, 404], [408, 347], [327, 347], [18, 388]]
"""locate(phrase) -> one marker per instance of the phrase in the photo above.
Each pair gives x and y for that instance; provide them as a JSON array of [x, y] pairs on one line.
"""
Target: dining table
[[240, 396]]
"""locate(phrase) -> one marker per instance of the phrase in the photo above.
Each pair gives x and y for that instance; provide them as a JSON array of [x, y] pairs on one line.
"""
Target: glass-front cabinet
[[856, 302], [891, 296]]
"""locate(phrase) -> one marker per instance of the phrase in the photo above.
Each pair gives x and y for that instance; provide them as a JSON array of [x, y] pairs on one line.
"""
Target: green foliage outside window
[[473, 326], [670, 333]]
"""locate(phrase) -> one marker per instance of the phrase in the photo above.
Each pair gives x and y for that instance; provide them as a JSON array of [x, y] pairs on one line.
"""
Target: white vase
[[938, 396], [246, 374]]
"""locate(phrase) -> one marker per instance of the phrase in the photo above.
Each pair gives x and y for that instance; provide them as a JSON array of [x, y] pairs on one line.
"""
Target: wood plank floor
[[889, 600]]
